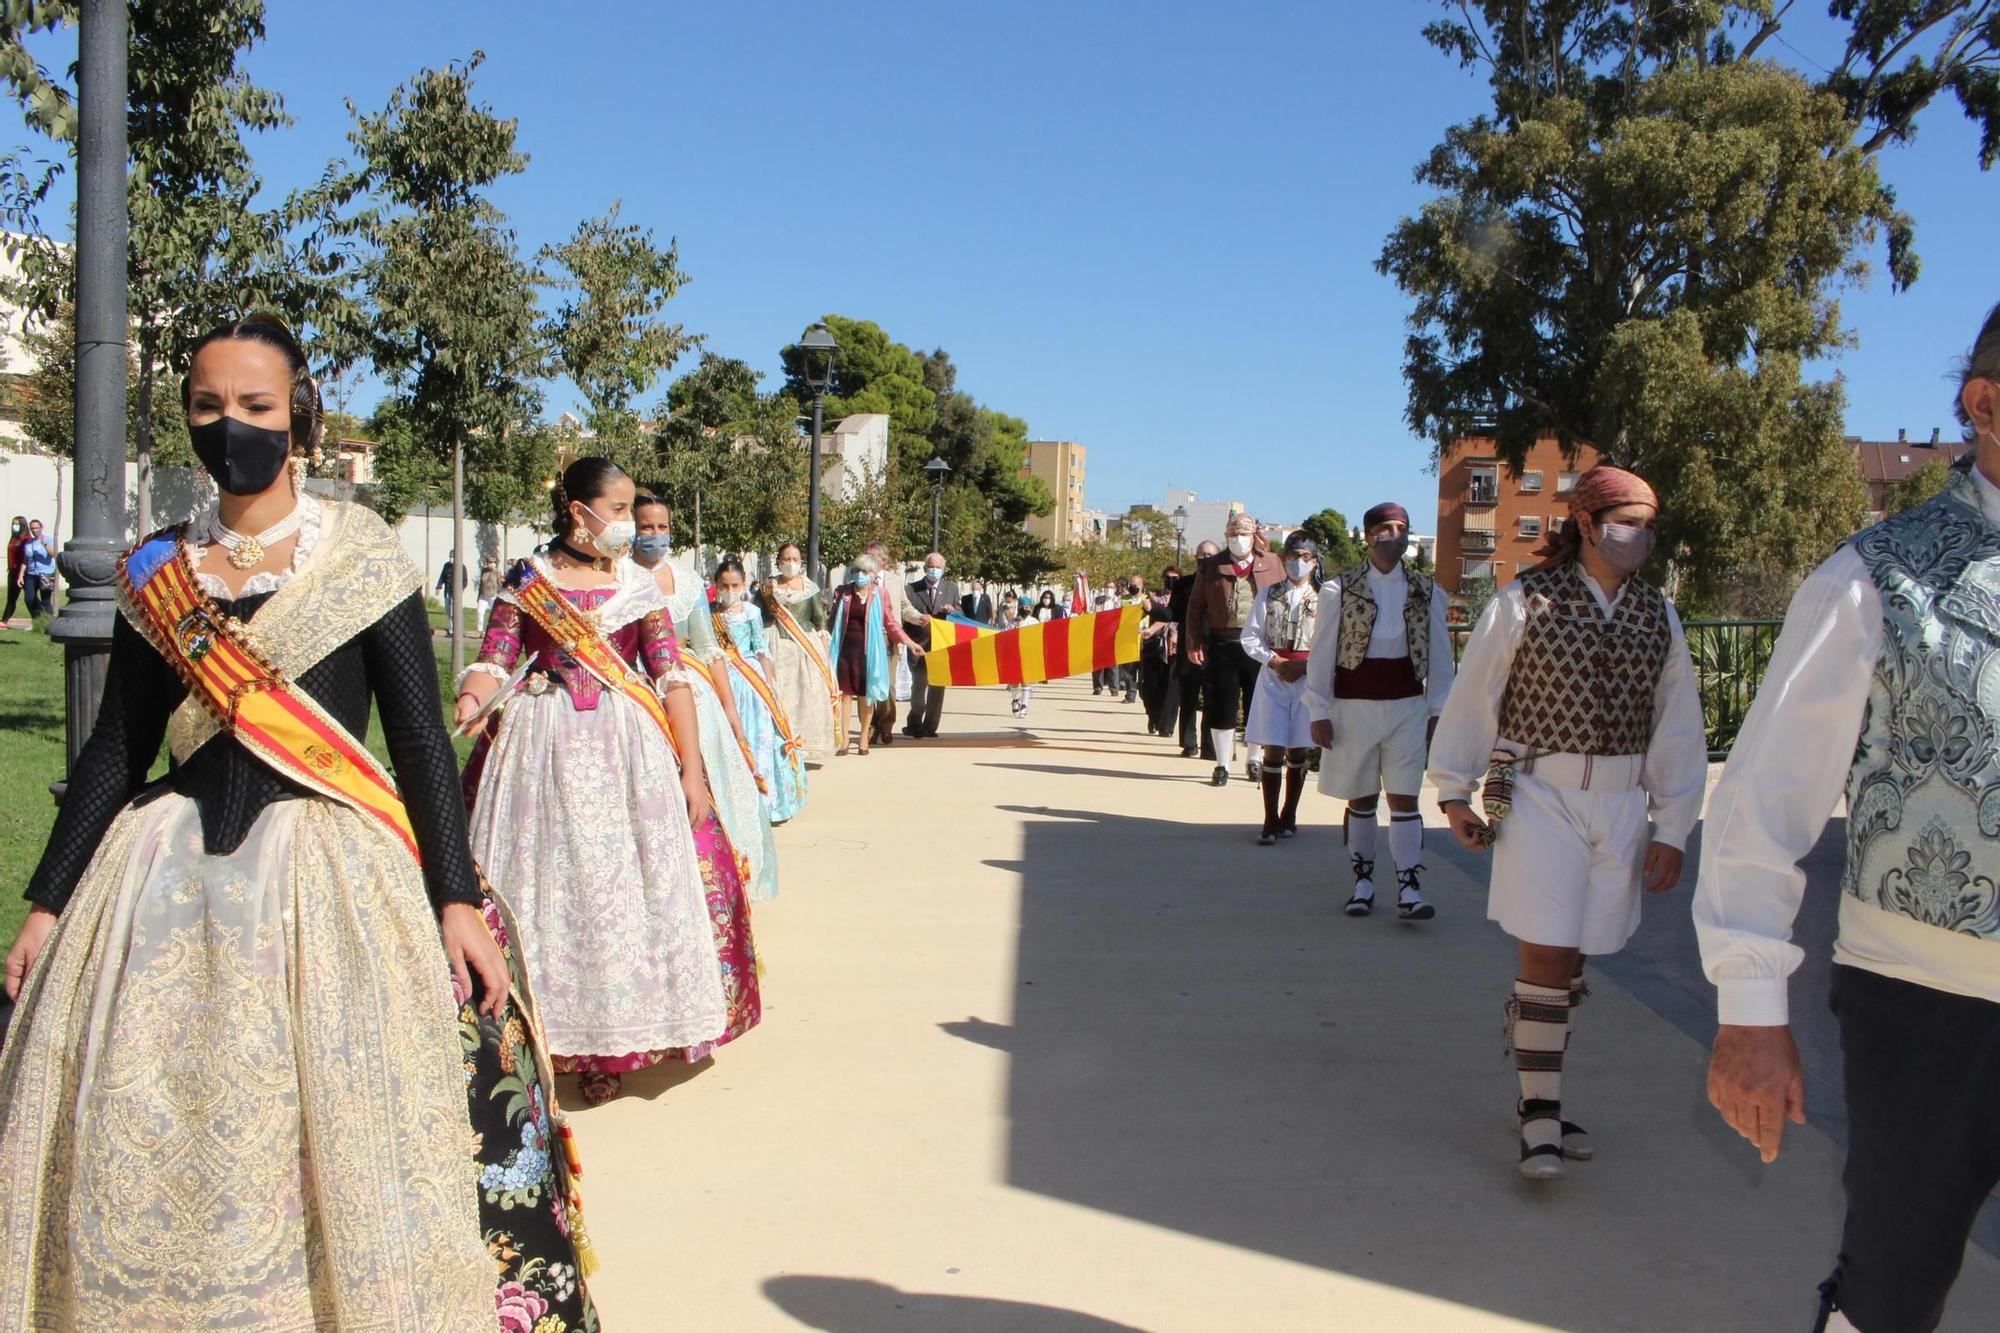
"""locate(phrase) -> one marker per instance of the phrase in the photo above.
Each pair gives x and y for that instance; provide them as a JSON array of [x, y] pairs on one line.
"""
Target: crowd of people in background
[[31, 570]]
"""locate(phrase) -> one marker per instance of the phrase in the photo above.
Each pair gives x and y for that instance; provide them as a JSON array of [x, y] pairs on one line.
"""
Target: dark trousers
[[926, 700], [1104, 678], [13, 594], [1155, 679], [1229, 679], [39, 602], [883, 720], [1923, 1144], [1186, 693]]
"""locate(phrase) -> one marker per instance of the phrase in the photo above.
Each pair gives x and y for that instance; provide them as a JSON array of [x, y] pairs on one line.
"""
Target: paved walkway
[[1050, 1046]]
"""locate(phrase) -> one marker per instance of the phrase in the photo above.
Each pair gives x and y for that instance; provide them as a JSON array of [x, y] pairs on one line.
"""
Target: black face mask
[[242, 458]]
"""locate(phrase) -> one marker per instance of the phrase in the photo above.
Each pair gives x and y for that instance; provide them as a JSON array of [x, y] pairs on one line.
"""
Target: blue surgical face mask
[[862, 578], [649, 548], [932, 573]]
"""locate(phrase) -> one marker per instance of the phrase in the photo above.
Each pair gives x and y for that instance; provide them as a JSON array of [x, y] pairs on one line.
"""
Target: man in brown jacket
[[1225, 589]]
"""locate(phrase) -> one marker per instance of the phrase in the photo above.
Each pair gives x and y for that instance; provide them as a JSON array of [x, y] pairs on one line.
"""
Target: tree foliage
[[1333, 535], [1919, 486], [607, 335], [731, 454], [1651, 202]]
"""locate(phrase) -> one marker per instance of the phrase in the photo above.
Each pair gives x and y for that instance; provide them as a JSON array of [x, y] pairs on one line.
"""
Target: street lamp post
[[937, 470], [89, 559], [1180, 531], [816, 350]]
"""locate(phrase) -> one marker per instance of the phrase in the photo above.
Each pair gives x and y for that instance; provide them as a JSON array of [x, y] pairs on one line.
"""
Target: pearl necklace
[[246, 551]]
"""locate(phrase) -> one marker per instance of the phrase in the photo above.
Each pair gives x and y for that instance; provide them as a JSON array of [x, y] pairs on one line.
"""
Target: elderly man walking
[[1882, 683], [929, 598], [1225, 590]]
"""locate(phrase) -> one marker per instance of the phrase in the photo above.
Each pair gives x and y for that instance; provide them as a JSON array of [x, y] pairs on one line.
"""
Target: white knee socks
[[1225, 747], [1538, 1023]]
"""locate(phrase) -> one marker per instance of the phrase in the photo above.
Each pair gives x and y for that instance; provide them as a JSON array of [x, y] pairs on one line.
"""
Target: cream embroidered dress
[[233, 1096], [799, 684]]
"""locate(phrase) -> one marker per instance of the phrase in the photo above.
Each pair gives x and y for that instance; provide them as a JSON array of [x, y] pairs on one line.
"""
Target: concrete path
[[1050, 1046]]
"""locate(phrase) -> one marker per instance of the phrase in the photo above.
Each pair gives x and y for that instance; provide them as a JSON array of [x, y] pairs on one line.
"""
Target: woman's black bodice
[[390, 660]]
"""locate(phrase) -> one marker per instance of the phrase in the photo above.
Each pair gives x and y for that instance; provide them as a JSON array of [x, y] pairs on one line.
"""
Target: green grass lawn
[[31, 754]]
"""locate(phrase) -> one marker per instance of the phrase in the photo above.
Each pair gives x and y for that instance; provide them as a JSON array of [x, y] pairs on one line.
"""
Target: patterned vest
[[1290, 628], [1357, 619], [1583, 682], [1923, 795]]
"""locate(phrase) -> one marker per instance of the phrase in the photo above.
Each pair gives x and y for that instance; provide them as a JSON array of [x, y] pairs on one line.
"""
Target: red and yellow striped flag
[[1044, 650]]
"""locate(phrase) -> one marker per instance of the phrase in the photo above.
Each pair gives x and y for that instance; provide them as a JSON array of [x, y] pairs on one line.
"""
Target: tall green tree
[[1334, 536], [1644, 239], [728, 458], [1919, 486], [608, 335], [449, 304]]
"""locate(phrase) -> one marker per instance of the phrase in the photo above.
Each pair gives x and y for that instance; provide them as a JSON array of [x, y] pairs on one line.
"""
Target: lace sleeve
[[661, 650], [700, 638], [402, 673], [140, 693]]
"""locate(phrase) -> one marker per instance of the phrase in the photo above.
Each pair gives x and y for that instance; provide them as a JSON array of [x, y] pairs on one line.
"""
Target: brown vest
[[1583, 683]]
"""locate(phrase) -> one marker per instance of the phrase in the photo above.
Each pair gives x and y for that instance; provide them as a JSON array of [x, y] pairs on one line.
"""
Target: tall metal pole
[[812, 495], [89, 561], [937, 500]]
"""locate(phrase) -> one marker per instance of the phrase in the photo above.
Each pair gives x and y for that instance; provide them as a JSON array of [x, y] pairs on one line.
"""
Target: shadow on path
[[857, 1305]]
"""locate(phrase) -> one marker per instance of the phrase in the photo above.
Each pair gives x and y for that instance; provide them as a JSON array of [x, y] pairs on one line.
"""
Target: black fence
[[1730, 657]]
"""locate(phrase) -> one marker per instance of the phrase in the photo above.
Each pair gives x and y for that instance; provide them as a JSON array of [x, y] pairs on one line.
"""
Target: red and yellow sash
[[810, 647], [700, 667], [250, 698], [762, 688], [542, 601]]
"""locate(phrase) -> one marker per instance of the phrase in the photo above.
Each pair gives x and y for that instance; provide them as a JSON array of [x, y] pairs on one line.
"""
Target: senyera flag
[[1043, 650]]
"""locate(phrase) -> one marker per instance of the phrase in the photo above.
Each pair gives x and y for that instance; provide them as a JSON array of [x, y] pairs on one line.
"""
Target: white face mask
[[728, 596], [613, 539], [1239, 545], [1298, 568], [790, 568]]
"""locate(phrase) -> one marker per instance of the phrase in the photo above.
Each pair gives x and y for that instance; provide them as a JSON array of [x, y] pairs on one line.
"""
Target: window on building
[[1531, 525], [1531, 483], [1485, 485], [1475, 569], [1565, 482], [1557, 523]]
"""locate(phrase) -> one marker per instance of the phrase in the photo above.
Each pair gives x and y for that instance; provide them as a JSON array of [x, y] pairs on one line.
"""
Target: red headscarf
[[1603, 487]]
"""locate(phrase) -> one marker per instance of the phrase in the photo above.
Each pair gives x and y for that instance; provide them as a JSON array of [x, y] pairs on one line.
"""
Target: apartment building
[[1490, 522], [1060, 465]]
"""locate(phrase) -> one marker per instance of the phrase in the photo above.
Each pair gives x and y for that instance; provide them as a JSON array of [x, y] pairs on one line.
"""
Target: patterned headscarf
[[1387, 512], [1603, 487]]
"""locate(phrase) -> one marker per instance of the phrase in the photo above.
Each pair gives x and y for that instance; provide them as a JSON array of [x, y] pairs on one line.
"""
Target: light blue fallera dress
[[784, 772]]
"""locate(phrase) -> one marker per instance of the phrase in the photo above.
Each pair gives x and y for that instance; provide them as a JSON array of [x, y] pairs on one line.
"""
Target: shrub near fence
[[1730, 658]]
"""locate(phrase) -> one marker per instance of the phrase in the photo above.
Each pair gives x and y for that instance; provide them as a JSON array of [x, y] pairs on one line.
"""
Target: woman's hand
[[467, 706], [695, 787], [27, 947], [470, 947]]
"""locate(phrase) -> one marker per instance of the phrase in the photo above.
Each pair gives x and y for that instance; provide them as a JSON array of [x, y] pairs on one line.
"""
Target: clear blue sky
[[1150, 228]]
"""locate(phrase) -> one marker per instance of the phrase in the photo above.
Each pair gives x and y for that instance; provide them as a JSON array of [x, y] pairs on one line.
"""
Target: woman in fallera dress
[[235, 1092], [795, 616], [598, 829], [732, 778], [740, 630]]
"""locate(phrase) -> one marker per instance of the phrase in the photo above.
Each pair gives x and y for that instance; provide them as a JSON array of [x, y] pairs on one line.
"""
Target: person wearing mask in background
[[1380, 672], [1104, 678], [1156, 658], [1048, 608], [976, 604], [489, 588], [1225, 590], [739, 630], [864, 628], [1578, 693], [17, 539], [1279, 638], [792, 606], [38, 571], [725, 750], [1186, 686], [931, 597], [1132, 594], [450, 583], [1882, 682], [888, 580]]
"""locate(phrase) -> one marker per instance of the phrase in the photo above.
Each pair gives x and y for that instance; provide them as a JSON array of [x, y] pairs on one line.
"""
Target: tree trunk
[[697, 531], [142, 415], [455, 600]]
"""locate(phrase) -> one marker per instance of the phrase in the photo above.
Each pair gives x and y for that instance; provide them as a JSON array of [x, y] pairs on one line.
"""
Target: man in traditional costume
[[1577, 690], [1225, 589], [1377, 679], [1884, 683]]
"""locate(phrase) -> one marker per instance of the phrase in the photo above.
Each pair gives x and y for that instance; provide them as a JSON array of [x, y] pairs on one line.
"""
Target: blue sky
[[1150, 228]]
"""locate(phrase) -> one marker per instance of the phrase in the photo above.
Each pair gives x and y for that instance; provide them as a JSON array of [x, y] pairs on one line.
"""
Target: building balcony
[[1483, 491], [1474, 541]]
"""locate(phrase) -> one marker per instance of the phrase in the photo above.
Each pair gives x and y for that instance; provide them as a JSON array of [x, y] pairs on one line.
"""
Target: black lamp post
[[1180, 531], [816, 351], [89, 560], [937, 470]]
